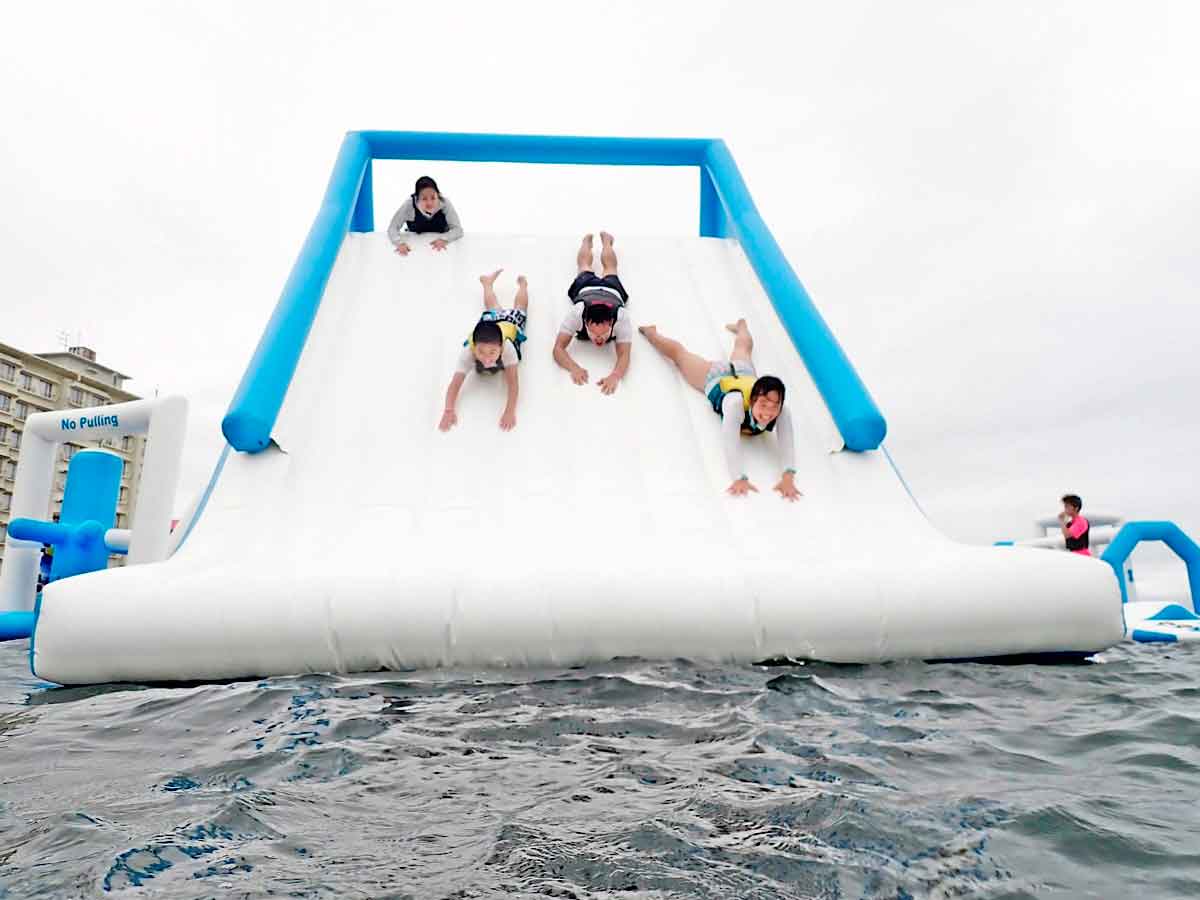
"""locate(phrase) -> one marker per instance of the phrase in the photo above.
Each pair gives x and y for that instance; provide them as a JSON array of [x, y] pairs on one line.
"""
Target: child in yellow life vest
[[749, 405], [494, 347]]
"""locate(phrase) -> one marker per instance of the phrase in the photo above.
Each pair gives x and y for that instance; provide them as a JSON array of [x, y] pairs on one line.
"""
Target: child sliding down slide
[[748, 405], [494, 346], [598, 313]]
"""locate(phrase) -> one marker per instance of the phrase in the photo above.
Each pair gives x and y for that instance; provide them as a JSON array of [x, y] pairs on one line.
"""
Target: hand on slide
[[609, 384], [508, 421], [741, 488], [787, 488], [579, 375], [439, 244], [403, 249], [449, 420]]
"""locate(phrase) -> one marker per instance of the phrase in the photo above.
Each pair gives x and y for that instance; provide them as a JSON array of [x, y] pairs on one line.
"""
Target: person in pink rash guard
[[1075, 528]]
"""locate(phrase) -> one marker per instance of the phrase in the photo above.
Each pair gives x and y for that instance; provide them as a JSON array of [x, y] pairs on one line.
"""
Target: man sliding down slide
[[597, 314], [747, 405]]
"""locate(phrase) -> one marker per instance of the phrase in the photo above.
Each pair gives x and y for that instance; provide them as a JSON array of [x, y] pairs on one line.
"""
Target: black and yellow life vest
[[511, 333], [422, 224], [743, 384]]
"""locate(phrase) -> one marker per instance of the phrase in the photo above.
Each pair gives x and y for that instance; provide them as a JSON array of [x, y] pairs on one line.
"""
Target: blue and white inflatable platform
[[341, 531]]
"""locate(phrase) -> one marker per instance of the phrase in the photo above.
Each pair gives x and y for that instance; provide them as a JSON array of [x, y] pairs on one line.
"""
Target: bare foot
[[489, 280], [522, 281], [736, 326], [648, 331], [606, 238], [587, 240]]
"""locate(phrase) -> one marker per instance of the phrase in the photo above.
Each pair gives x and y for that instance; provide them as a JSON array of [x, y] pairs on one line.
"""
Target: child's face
[[599, 332], [1071, 510], [765, 408], [487, 354], [427, 199]]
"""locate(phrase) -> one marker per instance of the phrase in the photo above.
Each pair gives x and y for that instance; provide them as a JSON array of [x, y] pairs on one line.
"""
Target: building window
[[3, 530], [4, 430], [22, 409], [7, 370], [75, 395], [69, 450], [27, 381], [16, 439], [8, 469], [125, 468], [44, 387], [124, 495], [121, 519], [4, 501], [127, 443], [5, 402]]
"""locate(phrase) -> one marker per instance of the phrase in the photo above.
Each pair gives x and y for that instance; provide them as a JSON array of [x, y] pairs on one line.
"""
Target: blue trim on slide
[[208, 490], [256, 403], [1153, 637], [1173, 612], [1134, 533], [37, 613], [726, 207]]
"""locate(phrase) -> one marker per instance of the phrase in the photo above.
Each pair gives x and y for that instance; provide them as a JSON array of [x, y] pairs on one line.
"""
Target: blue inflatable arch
[[726, 210], [1134, 533]]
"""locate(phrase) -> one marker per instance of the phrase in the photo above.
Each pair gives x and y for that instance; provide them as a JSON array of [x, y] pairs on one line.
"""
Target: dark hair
[[765, 385], [425, 182], [599, 313], [487, 333], [1073, 500]]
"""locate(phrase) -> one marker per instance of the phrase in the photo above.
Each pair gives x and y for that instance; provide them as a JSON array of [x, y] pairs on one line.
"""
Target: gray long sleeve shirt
[[407, 212]]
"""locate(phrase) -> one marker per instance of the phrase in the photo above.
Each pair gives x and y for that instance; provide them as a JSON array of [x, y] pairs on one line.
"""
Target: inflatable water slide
[[342, 531]]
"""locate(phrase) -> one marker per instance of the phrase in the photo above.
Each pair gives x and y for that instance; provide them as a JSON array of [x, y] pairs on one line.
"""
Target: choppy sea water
[[631, 780]]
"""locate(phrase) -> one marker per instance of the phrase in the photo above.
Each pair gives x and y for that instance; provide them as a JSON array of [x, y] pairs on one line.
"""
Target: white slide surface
[[599, 527]]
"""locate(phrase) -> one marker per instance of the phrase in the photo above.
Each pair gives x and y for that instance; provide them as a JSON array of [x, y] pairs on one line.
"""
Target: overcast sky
[[995, 205]]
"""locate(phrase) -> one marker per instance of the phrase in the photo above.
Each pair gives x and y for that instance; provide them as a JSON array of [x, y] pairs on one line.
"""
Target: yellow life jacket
[[512, 334], [743, 384]]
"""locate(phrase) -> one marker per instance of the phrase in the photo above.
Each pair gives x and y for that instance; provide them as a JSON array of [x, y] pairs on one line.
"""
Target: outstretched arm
[[452, 221], [578, 373], [403, 215], [609, 383], [508, 421], [732, 413], [449, 416], [786, 442]]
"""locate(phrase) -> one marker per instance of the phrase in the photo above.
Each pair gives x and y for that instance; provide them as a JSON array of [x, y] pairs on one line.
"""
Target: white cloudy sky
[[994, 204]]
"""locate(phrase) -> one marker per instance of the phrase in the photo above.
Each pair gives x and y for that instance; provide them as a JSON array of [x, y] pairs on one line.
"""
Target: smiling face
[[766, 407], [599, 332], [488, 354], [428, 200]]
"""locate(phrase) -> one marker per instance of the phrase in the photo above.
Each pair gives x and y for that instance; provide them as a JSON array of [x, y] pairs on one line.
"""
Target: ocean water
[[630, 780]]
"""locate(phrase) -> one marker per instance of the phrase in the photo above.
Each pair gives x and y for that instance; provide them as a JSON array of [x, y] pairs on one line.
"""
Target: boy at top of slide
[[493, 347]]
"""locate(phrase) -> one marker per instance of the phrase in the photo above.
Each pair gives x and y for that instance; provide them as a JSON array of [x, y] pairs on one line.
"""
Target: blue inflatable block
[[15, 625]]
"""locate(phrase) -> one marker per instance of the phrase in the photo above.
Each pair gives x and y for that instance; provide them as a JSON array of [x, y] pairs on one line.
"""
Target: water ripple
[[634, 779]]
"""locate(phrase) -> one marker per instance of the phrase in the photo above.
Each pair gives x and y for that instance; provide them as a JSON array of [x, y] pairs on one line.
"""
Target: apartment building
[[39, 382]]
